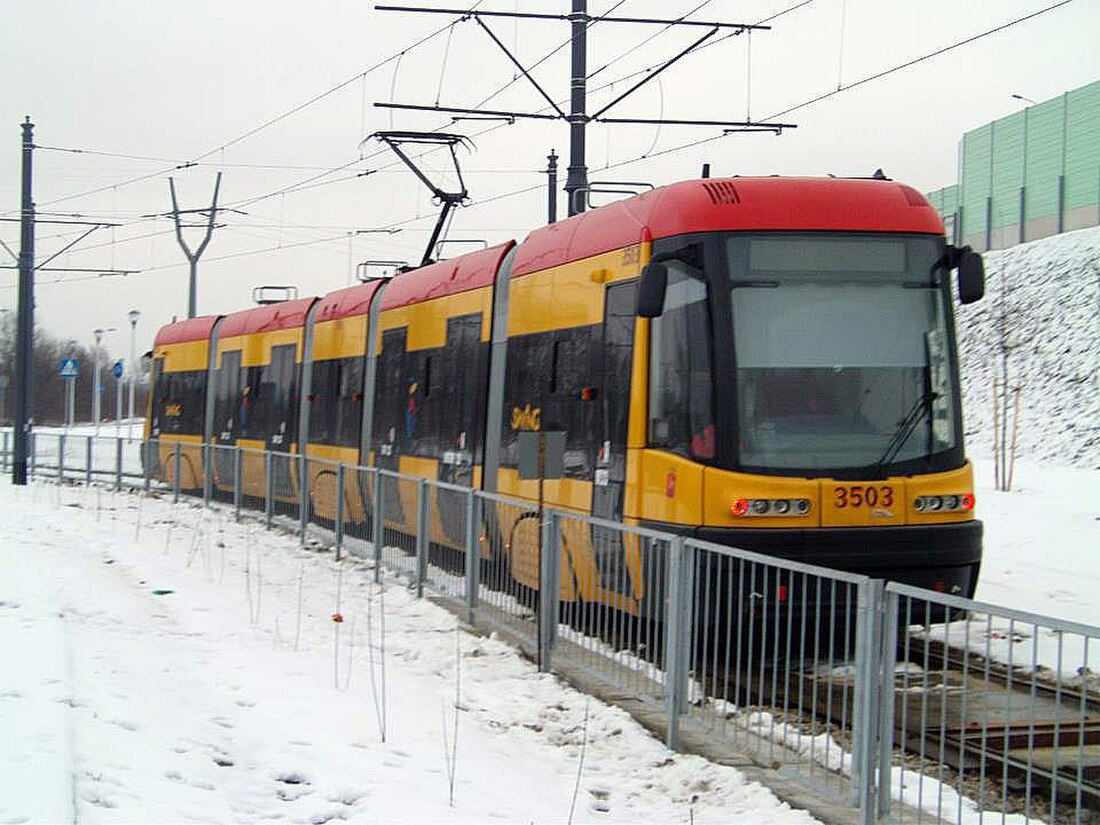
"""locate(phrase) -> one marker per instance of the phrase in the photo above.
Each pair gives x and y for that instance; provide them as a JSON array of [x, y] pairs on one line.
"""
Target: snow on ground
[[158, 678], [1048, 293], [1042, 541], [1039, 557]]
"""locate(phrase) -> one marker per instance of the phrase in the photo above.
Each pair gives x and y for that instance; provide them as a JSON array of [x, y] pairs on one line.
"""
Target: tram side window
[[180, 402], [526, 384], [227, 396], [421, 386], [565, 408], [275, 408], [460, 387], [391, 393], [336, 405], [681, 411], [349, 407]]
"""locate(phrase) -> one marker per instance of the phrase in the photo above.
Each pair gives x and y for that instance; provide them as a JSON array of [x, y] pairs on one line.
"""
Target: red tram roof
[[192, 329], [267, 318], [461, 274], [731, 204], [346, 302]]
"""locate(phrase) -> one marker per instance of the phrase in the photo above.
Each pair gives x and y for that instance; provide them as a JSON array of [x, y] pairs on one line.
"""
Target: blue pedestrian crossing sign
[[117, 369], [70, 367]]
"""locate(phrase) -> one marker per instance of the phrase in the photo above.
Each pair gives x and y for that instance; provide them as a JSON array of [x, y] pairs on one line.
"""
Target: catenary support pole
[[24, 345], [576, 182], [552, 187], [193, 257]]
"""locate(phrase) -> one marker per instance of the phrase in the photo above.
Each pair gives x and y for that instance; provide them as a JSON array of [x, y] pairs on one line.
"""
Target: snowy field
[[153, 678]]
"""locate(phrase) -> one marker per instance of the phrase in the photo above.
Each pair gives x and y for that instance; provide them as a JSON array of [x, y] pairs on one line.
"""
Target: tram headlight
[[949, 503], [769, 506]]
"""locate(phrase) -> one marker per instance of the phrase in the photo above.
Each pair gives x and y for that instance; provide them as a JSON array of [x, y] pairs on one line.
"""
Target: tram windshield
[[842, 351]]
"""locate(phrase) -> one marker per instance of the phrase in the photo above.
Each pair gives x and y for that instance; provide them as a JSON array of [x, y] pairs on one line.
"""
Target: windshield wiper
[[921, 408]]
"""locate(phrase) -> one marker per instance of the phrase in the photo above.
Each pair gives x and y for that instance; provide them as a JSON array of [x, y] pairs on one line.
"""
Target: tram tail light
[[769, 506], [948, 503], [781, 593]]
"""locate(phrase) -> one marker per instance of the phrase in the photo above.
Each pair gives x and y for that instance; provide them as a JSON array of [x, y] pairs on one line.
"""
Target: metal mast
[[577, 184], [25, 324], [576, 181], [193, 257]]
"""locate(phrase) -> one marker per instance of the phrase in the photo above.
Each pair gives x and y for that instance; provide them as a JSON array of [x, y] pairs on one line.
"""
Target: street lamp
[[133, 315], [97, 388], [1024, 99]]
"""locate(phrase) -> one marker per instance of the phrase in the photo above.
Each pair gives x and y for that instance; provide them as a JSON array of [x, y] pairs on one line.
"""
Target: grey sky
[[172, 82]]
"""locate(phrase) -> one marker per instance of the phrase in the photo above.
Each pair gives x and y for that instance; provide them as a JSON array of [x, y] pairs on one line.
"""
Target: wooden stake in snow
[[378, 696], [580, 764], [351, 654], [298, 620], [337, 620], [137, 527], [450, 751]]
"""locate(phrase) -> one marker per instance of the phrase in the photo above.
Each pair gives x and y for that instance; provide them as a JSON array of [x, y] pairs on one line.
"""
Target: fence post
[[88, 461], [118, 465], [864, 703], [34, 453], [422, 521], [4, 456], [207, 475], [1061, 203], [177, 460], [60, 458], [303, 497], [238, 495], [339, 510], [269, 486], [150, 449], [549, 573], [473, 554], [376, 524], [891, 608], [677, 635]]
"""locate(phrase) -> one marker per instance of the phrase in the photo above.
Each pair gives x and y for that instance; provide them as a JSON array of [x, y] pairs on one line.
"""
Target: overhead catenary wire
[[681, 147], [262, 126], [861, 82]]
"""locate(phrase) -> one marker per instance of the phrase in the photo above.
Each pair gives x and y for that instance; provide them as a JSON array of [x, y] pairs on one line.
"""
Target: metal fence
[[908, 705]]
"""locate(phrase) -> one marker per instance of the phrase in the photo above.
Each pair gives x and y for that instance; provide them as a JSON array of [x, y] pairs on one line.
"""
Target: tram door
[[463, 373], [393, 417], [614, 403]]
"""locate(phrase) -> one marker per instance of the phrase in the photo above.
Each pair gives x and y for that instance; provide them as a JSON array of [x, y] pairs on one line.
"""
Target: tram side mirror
[[971, 276], [651, 291]]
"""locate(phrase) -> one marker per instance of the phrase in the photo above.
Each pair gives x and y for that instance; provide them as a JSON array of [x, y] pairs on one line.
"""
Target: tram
[[767, 363]]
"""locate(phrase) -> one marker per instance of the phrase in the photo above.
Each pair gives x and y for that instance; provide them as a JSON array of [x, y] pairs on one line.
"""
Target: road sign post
[[69, 369], [117, 370]]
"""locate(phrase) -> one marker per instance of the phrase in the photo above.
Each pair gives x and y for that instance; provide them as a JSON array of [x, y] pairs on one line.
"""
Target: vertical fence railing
[[473, 555], [341, 506], [377, 519], [304, 500], [998, 706]]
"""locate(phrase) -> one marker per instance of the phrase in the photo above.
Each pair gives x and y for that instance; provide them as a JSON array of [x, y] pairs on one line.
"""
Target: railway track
[[1030, 731]]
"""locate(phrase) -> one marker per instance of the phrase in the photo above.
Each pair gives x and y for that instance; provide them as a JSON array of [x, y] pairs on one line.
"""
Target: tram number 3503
[[858, 495]]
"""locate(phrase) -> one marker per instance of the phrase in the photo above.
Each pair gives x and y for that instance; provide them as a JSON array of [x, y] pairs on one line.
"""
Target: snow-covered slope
[[1048, 293]]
